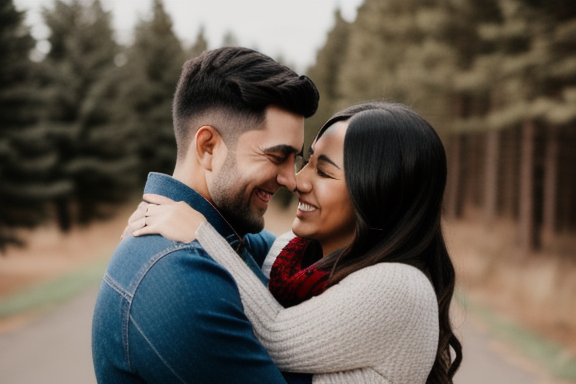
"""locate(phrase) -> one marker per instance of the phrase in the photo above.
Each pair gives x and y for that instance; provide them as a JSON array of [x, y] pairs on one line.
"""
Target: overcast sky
[[293, 28]]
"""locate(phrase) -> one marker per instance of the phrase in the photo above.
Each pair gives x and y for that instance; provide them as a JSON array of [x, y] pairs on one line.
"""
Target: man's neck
[[192, 177]]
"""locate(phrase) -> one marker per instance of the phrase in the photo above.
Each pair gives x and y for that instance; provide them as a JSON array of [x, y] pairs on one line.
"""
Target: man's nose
[[286, 176]]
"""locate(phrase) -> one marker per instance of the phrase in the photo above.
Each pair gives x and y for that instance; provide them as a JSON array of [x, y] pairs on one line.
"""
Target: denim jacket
[[168, 313]]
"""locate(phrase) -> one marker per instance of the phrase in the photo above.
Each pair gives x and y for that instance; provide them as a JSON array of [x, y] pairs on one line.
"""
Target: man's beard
[[228, 193]]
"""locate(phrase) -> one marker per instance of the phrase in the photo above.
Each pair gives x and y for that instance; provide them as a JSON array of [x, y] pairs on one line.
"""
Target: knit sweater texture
[[378, 325]]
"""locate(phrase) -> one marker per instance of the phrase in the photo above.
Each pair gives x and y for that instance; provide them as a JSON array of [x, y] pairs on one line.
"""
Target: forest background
[[82, 125]]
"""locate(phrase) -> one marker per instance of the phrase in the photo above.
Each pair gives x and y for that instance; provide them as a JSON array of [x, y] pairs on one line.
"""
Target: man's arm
[[187, 325]]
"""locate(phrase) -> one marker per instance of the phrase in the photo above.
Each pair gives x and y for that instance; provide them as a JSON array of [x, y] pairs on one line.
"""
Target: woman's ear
[[207, 140]]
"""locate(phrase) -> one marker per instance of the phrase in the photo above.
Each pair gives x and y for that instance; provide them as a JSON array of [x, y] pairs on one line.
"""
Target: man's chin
[[257, 224], [254, 224], [254, 227]]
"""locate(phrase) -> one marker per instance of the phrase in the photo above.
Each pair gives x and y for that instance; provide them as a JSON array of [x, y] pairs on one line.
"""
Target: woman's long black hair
[[395, 170]]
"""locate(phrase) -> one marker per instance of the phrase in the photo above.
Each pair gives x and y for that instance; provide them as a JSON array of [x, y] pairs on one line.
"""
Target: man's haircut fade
[[240, 83]]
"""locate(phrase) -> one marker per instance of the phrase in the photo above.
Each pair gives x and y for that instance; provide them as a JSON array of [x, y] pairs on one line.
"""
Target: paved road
[[55, 349]]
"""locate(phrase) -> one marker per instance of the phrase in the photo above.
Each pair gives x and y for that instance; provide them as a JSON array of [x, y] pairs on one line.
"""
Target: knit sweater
[[378, 325]]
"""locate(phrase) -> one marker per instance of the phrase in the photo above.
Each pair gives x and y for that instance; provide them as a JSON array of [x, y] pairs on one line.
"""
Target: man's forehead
[[276, 137], [262, 141]]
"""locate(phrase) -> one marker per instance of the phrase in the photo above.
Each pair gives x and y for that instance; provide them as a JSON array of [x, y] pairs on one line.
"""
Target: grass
[[46, 295], [553, 357]]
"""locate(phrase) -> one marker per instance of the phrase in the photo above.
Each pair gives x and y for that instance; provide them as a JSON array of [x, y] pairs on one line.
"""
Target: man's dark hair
[[230, 88]]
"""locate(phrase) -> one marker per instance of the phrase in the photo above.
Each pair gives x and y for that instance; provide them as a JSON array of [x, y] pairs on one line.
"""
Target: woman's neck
[[333, 246]]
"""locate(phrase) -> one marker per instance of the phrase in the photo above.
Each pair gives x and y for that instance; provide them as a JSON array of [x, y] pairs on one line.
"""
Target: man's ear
[[207, 139]]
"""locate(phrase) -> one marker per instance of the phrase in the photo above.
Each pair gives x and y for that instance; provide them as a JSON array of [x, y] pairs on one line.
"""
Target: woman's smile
[[305, 207]]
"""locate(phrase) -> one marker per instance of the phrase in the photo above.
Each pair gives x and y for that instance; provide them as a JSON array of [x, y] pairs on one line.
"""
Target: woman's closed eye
[[321, 173], [326, 168]]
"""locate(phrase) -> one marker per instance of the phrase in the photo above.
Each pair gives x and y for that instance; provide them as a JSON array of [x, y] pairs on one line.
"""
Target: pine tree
[[382, 40], [200, 45], [326, 73], [93, 153], [560, 109], [524, 82], [25, 153], [456, 93], [149, 77], [410, 52], [229, 40]]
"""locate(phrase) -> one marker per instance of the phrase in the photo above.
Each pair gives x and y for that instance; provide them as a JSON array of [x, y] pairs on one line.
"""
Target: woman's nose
[[303, 184]]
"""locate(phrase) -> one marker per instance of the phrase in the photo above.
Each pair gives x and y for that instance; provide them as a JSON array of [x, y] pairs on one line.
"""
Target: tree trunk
[[526, 223], [550, 183], [491, 175], [453, 205], [63, 215]]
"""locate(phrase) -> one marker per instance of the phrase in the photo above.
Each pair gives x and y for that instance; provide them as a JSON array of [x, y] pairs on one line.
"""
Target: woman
[[362, 294]]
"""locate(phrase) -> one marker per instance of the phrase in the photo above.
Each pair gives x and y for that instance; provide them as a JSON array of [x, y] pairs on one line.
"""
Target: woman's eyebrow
[[327, 159]]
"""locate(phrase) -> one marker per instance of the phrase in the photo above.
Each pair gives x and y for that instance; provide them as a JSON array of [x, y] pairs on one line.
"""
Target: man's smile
[[265, 196]]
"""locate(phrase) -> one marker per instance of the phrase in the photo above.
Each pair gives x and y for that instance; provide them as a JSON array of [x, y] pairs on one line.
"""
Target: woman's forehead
[[335, 132]]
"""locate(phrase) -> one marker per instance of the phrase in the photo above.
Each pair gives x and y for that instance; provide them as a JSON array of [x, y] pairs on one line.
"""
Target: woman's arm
[[382, 313], [163, 216]]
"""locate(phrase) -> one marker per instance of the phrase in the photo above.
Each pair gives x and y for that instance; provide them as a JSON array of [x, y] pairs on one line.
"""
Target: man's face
[[262, 162]]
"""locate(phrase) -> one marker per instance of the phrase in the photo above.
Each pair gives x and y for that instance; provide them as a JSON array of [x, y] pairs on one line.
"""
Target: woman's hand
[[163, 216]]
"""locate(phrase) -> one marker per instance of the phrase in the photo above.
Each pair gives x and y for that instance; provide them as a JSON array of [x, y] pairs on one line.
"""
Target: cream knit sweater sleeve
[[378, 325]]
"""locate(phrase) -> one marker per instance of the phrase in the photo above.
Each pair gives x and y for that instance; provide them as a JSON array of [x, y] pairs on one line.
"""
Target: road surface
[[55, 349]]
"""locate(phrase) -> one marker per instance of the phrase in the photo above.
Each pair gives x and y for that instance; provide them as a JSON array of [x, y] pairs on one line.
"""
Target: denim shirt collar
[[168, 186]]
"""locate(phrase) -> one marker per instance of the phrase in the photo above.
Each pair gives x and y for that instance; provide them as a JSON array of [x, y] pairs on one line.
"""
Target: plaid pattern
[[294, 277]]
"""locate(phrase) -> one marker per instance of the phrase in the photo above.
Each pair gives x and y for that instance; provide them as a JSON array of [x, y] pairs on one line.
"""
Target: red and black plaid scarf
[[294, 277]]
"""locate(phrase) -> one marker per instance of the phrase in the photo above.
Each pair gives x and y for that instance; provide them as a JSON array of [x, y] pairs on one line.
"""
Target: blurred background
[[85, 113]]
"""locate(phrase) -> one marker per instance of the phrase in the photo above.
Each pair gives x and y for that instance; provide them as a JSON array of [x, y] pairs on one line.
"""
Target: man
[[166, 311]]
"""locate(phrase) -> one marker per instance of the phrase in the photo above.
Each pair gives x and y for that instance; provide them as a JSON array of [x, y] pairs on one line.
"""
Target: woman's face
[[325, 211]]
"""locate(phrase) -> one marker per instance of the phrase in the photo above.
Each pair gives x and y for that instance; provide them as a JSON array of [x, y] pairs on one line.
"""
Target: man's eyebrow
[[327, 159], [286, 150]]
